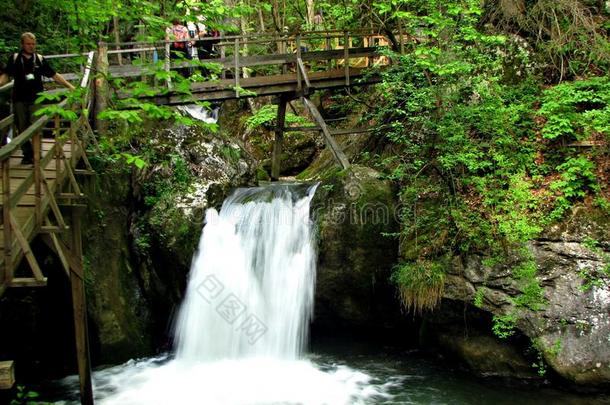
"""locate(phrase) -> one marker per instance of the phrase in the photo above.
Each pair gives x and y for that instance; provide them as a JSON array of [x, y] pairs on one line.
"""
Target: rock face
[[353, 209], [572, 331], [119, 315]]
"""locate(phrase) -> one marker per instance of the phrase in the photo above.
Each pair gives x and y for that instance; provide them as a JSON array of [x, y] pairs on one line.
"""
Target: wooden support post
[[6, 274], [346, 57], [101, 85], [143, 61], [58, 146], [328, 46], [330, 141], [37, 146], [284, 49], [79, 306], [236, 63], [298, 44], [223, 54], [276, 158]]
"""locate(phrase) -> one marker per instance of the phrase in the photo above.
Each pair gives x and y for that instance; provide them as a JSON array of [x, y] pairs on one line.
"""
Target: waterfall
[[251, 287], [243, 324]]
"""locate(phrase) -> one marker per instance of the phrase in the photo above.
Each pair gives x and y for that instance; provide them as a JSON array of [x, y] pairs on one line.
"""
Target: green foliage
[[266, 117], [230, 153], [577, 110], [532, 294], [130, 159], [24, 396], [504, 325], [479, 295], [420, 284], [540, 364], [577, 178], [161, 187], [592, 277], [477, 148]]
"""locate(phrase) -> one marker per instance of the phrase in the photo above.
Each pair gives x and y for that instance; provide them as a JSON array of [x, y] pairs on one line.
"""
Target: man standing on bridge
[[27, 68]]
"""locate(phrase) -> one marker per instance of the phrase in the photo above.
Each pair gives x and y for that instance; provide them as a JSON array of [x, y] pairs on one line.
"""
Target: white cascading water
[[243, 324], [251, 287]]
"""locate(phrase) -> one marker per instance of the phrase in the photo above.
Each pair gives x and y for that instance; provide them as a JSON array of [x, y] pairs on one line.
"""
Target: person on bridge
[[27, 68], [180, 44]]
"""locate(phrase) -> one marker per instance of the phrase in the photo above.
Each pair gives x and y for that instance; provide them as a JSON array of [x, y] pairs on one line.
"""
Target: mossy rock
[[354, 211]]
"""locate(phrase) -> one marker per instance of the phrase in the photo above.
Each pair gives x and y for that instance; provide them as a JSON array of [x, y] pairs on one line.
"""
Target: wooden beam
[[54, 207], [101, 85], [80, 315], [333, 132], [26, 282], [5, 122], [330, 141], [52, 241], [60, 248], [301, 68], [6, 271], [276, 158], [25, 246]]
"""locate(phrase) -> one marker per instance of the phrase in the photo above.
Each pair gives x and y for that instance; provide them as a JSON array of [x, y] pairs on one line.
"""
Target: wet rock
[[354, 212], [572, 330]]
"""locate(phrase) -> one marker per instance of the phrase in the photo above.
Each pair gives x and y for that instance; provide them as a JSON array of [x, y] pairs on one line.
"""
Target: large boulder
[[572, 331], [355, 214]]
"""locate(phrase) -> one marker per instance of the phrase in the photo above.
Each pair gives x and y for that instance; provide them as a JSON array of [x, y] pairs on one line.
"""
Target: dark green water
[[415, 377]]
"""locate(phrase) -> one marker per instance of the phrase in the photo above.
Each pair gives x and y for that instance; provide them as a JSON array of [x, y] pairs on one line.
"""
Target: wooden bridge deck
[[224, 89]]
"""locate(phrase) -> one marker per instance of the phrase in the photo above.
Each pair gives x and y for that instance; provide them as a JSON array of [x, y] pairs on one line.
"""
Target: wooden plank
[[28, 282], [7, 374], [346, 131], [220, 94]]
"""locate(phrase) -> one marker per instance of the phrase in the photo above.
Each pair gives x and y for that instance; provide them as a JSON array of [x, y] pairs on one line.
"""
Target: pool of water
[[335, 372]]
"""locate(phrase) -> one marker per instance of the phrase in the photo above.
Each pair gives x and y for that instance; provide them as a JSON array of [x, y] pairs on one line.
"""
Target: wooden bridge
[[286, 66], [45, 199]]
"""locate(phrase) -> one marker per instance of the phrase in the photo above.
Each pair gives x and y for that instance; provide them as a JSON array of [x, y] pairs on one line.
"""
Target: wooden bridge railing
[[264, 55], [12, 197]]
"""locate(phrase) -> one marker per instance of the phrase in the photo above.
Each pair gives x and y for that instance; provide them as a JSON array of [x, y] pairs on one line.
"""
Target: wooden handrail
[[5, 122], [7, 150], [8, 86], [271, 35]]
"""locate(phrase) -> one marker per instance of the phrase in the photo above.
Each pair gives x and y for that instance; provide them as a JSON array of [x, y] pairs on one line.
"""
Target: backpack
[[37, 60], [180, 33]]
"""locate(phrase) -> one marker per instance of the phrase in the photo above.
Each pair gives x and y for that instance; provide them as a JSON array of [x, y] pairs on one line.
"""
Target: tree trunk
[[309, 4]]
